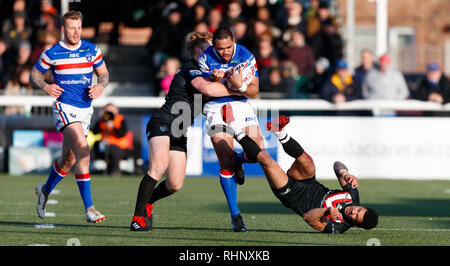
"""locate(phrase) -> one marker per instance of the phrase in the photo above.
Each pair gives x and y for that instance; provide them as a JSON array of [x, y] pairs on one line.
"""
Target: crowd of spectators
[[27, 28], [298, 49], [297, 45]]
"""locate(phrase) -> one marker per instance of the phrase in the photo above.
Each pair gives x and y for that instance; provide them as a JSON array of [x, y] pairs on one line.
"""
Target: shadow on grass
[[401, 207], [161, 234]]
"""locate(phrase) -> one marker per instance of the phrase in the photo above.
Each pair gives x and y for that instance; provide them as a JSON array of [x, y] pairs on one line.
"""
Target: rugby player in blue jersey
[[220, 62], [71, 63], [326, 210]]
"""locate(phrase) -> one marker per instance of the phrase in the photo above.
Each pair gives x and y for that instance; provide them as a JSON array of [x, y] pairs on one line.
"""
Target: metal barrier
[[376, 106]]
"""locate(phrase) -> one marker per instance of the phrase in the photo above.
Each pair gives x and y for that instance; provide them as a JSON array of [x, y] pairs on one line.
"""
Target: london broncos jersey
[[339, 199], [210, 60], [72, 70]]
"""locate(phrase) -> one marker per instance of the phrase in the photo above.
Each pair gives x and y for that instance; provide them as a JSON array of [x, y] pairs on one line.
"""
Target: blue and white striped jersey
[[72, 70], [210, 60]]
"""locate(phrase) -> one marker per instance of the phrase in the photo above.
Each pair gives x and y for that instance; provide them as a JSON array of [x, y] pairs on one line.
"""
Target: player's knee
[[157, 171], [174, 187], [307, 163]]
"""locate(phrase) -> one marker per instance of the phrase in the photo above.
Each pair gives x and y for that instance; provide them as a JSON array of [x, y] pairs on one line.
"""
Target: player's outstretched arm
[[343, 175]]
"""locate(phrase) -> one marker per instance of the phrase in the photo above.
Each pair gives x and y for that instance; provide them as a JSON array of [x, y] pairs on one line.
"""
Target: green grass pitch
[[412, 213]]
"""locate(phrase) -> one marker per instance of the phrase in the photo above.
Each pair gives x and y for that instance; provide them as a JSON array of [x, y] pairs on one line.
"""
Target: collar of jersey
[[71, 49]]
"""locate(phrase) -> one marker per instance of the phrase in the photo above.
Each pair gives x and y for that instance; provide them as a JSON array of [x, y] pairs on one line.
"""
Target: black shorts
[[158, 126], [301, 195]]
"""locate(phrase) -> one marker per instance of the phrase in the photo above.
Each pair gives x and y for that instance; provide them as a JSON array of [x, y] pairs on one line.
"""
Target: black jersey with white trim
[[181, 93], [340, 199]]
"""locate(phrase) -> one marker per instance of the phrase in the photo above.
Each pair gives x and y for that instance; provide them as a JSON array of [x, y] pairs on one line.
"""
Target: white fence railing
[[376, 106]]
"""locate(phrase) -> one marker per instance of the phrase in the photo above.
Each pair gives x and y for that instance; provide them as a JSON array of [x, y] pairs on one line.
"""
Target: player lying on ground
[[329, 211]]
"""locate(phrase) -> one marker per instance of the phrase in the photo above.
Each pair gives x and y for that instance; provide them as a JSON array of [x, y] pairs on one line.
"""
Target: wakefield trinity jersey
[[72, 70], [210, 60]]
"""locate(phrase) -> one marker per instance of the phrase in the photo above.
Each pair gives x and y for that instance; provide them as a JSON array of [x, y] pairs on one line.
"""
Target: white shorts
[[64, 114], [243, 113]]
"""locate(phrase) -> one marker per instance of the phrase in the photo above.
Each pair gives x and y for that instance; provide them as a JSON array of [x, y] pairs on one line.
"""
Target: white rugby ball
[[247, 70]]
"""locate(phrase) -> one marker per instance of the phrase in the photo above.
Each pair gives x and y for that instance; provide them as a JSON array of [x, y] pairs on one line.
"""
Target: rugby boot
[[277, 124], [237, 223], [42, 199], [138, 223], [94, 216]]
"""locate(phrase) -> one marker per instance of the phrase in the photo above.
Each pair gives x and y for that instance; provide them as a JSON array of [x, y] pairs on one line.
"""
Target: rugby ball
[[247, 70]]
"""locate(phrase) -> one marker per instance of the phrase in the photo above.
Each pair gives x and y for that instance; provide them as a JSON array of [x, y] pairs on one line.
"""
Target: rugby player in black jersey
[[166, 132], [329, 211]]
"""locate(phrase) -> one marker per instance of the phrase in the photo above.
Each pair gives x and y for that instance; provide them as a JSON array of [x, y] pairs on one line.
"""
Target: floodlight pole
[[381, 27], [350, 45]]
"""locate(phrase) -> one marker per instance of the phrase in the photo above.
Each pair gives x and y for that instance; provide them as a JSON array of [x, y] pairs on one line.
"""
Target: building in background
[[418, 31]]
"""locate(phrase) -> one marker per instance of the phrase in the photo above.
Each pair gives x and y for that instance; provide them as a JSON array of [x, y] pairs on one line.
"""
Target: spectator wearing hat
[[435, 86], [341, 86], [385, 83]]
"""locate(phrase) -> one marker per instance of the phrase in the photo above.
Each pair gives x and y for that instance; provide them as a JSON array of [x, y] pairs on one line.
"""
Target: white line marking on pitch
[[50, 214], [52, 202], [44, 226], [412, 229]]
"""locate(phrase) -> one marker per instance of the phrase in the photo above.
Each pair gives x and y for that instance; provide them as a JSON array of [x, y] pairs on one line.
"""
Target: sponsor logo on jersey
[[163, 128], [285, 192], [195, 73], [84, 80]]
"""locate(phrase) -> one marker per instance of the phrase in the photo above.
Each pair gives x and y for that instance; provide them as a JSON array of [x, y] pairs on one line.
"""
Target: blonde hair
[[196, 39], [72, 14]]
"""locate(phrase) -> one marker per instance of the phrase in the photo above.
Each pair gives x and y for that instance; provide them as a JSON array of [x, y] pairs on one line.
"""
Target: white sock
[[281, 135]]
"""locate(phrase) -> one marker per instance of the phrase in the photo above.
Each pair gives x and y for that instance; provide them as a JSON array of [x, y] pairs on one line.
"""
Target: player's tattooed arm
[[37, 79], [104, 79]]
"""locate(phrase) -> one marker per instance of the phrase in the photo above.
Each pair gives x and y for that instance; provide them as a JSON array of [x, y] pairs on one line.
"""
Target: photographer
[[115, 143]]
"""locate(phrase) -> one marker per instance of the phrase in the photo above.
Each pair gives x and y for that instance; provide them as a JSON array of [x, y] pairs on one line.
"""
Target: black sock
[[250, 147], [160, 192], [145, 192], [292, 147]]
